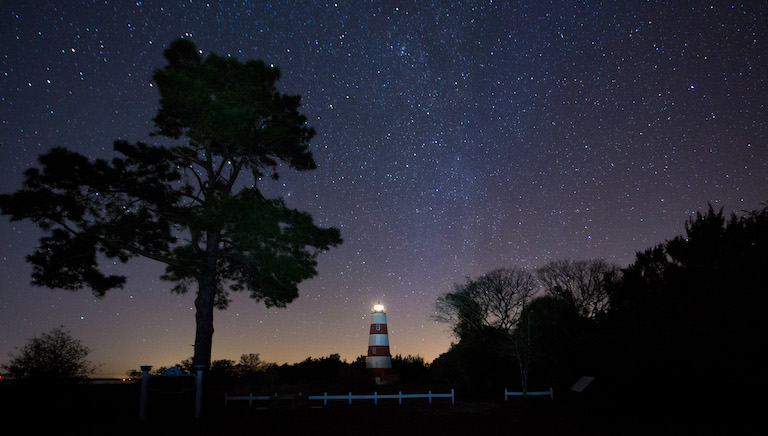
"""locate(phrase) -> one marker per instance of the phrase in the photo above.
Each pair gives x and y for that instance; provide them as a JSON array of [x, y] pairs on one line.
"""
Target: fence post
[[430, 397], [551, 393], [350, 398], [400, 398], [452, 398], [375, 398], [144, 388]]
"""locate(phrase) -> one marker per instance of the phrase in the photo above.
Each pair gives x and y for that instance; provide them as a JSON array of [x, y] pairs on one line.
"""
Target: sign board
[[582, 384]]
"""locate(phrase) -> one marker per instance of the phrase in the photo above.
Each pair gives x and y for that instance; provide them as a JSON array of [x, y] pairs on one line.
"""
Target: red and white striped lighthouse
[[379, 361]]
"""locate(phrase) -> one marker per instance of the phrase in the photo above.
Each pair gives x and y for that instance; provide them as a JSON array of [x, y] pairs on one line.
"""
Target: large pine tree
[[194, 206]]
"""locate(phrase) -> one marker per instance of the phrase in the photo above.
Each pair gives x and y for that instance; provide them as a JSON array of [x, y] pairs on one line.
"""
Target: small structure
[[378, 362], [173, 382]]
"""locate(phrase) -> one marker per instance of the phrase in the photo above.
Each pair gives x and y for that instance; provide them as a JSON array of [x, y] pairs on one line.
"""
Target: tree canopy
[[692, 308], [493, 300], [54, 356], [193, 205], [581, 283]]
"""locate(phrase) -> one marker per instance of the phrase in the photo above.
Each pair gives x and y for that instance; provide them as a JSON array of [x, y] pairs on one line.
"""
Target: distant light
[[378, 308]]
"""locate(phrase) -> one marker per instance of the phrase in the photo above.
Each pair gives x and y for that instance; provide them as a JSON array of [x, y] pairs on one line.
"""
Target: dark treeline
[[680, 329], [250, 373]]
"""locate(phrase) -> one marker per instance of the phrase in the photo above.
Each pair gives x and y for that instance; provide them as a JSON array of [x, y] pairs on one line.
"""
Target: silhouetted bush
[[55, 356]]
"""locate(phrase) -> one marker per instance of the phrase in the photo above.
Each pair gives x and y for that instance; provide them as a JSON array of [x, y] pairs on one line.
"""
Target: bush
[[52, 356]]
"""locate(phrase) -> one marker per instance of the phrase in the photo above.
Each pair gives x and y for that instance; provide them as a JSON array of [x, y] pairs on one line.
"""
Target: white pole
[[144, 388], [198, 391]]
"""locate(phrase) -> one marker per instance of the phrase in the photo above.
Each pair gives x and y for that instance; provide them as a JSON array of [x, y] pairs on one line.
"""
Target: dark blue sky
[[453, 138]]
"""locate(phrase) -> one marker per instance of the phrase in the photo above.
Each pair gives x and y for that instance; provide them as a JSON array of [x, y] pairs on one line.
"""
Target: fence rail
[[508, 394], [349, 397]]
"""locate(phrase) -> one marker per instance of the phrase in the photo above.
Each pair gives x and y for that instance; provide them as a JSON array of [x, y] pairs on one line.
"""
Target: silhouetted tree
[[689, 314], [359, 363], [493, 300], [553, 343], [412, 369], [324, 371], [478, 364], [483, 313], [581, 283], [250, 364], [223, 369], [193, 206], [187, 366], [54, 356]]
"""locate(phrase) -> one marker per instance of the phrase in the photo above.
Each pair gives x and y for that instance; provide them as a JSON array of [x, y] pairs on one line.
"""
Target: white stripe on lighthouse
[[378, 340]]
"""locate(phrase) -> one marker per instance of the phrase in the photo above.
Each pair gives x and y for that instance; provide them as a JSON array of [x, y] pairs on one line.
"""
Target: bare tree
[[494, 300], [485, 312], [504, 292], [581, 283], [460, 310], [520, 346]]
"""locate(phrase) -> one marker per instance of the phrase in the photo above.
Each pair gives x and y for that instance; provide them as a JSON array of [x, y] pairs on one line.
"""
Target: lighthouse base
[[383, 376]]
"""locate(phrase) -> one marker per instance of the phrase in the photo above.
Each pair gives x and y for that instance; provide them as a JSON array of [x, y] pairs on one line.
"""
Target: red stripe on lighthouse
[[378, 350], [380, 329]]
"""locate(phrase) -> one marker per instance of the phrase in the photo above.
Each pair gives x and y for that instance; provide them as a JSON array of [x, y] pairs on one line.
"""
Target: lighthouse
[[378, 364]]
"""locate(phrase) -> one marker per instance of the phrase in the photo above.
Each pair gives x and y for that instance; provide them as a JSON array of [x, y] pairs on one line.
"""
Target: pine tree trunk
[[204, 302], [204, 322]]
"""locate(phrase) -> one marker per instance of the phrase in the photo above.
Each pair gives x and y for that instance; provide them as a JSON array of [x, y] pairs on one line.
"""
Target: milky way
[[453, 138]]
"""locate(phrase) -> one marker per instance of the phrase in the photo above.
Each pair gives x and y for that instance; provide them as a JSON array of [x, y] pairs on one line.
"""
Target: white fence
[[349, 397], [508, 394]]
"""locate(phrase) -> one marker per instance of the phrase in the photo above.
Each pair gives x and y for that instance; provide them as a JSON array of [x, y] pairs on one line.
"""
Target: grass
[[113, 409]]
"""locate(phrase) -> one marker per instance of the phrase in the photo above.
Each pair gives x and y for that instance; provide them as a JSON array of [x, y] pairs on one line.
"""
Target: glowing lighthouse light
[[379, 361]]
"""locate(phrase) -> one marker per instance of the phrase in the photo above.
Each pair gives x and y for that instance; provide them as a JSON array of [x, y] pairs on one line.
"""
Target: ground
[[113, 409]]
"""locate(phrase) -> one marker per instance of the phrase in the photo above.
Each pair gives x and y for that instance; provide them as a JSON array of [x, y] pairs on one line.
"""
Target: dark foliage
[[54, 356], [479, 364], [412, 369], [582, 284], [683, 324], [560, 343], [689, 314], [330, 373]]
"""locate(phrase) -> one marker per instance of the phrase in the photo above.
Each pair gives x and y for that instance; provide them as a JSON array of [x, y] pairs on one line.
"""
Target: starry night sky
[[453, 138]]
